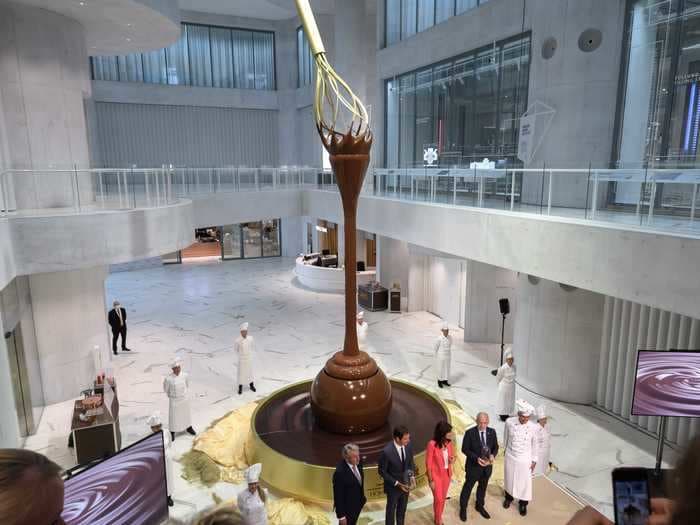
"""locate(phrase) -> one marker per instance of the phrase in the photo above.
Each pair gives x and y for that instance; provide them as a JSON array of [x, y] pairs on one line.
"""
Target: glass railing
[[650, 198]]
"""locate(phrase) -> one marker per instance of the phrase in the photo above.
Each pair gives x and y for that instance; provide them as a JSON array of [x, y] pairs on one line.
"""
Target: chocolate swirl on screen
[[128, 488], [667, 384]]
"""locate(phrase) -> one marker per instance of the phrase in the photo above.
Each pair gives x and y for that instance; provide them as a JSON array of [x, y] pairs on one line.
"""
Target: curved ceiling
[[119, 26], [265, 9]]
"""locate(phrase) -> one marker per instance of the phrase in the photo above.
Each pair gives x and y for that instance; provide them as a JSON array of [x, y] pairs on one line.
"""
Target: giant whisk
[[339, 114]]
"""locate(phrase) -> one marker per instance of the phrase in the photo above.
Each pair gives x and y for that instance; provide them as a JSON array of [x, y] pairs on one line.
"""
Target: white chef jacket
[[520, 442], [544, 448], [443, 356], [244, 348], [362, 335], [252, 508], [177, 390], [505, 401]]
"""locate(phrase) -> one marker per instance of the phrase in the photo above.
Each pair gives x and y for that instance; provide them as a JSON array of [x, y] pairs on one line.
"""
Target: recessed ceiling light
[[128, 39], [128, 25], [82, 3]]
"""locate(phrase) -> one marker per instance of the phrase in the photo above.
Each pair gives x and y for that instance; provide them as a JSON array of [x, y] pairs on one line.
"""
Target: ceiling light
[[128, 39]]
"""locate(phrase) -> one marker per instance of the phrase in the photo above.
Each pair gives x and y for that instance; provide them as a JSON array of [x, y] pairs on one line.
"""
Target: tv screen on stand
[[128, 488], [667, 383]]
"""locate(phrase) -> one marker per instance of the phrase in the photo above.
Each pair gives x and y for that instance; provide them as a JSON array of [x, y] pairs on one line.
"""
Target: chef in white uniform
[[245, 348], [544, 437], [505, 402], [443, 356], [176, 387], [362, 329], [520, 443], [156, 424], [251, 501]]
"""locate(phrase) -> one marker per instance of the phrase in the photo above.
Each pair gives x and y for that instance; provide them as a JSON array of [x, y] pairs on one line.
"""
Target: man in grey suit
[[396, 467]]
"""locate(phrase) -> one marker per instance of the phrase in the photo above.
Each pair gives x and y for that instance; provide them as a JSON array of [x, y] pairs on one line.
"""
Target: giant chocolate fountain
[[298, 431]]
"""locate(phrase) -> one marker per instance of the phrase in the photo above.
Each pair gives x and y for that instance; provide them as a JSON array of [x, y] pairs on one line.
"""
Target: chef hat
[[360, 315], [154, 420], [524, 408], [508, 354], [252, 474], [244, 327], [175, 362], [445, 325], [541, 412]]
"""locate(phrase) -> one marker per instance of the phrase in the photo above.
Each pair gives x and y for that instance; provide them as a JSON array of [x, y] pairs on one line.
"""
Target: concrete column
[[557, 339], [69, 319], [486, 284], [44, 80], [9, 426]]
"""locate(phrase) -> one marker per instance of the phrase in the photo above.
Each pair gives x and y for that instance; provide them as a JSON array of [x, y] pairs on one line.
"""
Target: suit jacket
[[471, 444], [348, 494], [390, 468], [435, 461], [113, 318]]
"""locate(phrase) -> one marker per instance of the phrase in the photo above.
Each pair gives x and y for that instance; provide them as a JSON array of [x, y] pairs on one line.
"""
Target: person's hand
[[482, 462], [661, 511], [342, 521], [532, 467], [491, 459], [452, 459], [404, 487], [431, 484], [589, 516]]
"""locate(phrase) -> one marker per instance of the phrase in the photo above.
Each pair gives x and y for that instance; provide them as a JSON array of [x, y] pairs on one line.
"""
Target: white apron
[[443, 357], [505, 401], [544, 448], [176, 388], [244, 348], [167, 445], [362, 335], [252, 508], [520, 442]]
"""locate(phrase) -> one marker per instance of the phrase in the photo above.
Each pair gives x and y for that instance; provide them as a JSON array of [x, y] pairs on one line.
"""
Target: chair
[[360, 266]]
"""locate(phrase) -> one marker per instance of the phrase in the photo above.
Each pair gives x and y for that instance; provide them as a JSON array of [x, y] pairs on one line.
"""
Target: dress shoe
[[522, 509], [172, 434], [446, 383], [506, 503], [170, 502], [240, 389], [252, 387], [126, 349], [484, 514], [190, 430], [440, 384], [115, 352], [463, 514]]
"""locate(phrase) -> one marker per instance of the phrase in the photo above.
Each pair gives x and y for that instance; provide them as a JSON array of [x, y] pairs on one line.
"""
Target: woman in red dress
[[439, 458]]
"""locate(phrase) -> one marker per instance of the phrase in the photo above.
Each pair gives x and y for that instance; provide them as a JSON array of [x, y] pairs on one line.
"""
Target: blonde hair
[[15, 496], [227, 515]]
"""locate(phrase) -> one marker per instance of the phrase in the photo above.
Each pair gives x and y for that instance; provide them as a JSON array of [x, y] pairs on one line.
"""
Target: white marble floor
[[193, 310]]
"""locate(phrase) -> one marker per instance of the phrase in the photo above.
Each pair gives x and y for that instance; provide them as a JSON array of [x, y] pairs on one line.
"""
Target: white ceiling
[[265, 9]]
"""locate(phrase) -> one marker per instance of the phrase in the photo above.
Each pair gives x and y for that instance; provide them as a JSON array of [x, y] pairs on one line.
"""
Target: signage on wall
[[430, 156], [534, 125], [485, 164]]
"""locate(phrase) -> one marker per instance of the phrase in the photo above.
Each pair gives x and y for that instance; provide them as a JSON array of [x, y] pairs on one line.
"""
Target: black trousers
[[396, 502], [115, 336], [476, 474]]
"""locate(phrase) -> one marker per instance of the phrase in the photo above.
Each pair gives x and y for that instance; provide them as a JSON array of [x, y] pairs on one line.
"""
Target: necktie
[[357, 474], [403, 458], [483, 439]]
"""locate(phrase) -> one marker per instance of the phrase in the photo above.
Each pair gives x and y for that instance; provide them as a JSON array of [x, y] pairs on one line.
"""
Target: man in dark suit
[[396, 467], [117, 321], [480, 445], [349, 486]]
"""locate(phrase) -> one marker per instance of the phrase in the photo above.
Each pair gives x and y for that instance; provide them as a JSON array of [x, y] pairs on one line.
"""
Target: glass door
[[271, 238], [252, 240]]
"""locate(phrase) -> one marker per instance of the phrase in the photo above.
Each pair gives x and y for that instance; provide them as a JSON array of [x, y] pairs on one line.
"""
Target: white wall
[[392, 265], [292, 234], [556, 342], [486, 284], [70, 318]]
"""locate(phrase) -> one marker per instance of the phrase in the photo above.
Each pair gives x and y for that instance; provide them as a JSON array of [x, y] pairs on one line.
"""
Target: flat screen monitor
[[667, 384], [128, 488]]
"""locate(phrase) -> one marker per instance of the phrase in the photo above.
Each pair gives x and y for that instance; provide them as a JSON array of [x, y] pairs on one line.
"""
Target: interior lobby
[[185, 185]]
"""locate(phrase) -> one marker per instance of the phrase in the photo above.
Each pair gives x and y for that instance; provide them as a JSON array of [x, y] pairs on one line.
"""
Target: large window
[[305, 60], [207, 56], [405, 18], [466, 108]]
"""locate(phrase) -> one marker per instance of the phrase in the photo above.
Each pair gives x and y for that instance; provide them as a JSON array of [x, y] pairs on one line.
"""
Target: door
[[371, 251], [20, 382]]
